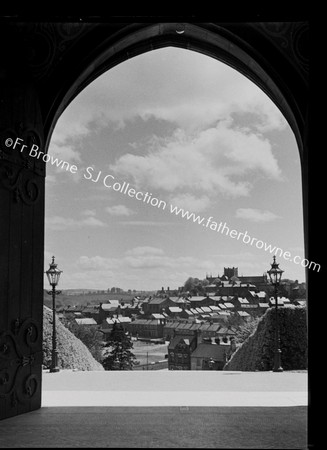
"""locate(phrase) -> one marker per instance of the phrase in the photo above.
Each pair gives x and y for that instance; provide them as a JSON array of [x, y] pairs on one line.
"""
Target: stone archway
[[45, 66]]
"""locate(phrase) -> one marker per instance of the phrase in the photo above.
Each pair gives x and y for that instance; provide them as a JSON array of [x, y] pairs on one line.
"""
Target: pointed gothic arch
[[44, 67]]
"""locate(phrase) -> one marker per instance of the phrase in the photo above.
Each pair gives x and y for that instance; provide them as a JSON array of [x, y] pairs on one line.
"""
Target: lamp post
[[53, 275], [275, 275]]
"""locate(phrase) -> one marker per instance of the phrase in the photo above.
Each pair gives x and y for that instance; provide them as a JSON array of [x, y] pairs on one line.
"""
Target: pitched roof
[[158, 300], [157, 316], [213, 351], [171, 324], [229, 305], [214, 308], [138, 321], [184, 326], [123, 319], [215, 298], [113, 304], [243, 313], [112, 321], [175, 309], [85, 321], [177, 299], [214, 315], [226, 331], [261, 294], [243, 300], [188, 312], [177, 339]]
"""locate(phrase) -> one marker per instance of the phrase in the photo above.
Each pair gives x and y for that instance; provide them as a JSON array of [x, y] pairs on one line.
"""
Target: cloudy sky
[[190, 132]]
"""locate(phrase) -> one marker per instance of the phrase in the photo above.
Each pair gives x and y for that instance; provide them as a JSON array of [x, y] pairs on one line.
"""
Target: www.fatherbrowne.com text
[[125, 188]]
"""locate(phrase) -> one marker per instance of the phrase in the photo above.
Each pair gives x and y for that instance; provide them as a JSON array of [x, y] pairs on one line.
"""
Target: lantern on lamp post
[[53, 275], [275, 275]]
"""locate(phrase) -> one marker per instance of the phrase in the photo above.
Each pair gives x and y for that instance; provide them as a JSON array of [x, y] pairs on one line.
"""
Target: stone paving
[[165, 410], [166, 388]]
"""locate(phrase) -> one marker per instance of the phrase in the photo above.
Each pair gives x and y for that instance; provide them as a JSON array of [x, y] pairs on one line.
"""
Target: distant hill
[[257, 351], [65, 299], [72, 298], [72, 353]]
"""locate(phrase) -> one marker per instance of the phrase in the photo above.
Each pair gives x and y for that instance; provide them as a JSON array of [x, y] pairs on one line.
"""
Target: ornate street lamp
[[53, 275], [275, 275]]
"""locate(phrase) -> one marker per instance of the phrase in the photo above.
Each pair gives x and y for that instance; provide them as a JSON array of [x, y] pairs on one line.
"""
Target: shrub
[[257, 351], [89, 335], [72, 353]]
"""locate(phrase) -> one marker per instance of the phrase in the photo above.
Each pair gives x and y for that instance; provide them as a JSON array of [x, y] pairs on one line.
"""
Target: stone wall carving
[[19, 172], [19, 351], [292, 39]]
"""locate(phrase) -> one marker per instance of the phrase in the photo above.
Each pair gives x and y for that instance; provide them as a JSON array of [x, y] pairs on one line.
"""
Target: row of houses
[[165, 330], [154, 312], [166, 303]]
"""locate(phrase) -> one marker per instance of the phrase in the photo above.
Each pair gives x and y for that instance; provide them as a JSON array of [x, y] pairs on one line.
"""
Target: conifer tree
[[119, 355]]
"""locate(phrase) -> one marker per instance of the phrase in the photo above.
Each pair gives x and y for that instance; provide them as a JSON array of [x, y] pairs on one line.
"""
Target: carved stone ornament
[[44, 43], [20, 173], [18, 354], [292, 38]]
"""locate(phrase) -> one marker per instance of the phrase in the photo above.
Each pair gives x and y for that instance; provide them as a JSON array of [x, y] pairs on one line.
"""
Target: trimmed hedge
[[257, 351], [72, 353]]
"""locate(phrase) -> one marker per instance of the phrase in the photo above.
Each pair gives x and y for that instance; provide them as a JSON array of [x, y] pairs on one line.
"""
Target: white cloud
[[88, 212], [89, 279], [59, 223], [119, 210], [255, 215], [145, 258], [145, 250], [64, 152], [92, 222], [190, 203], [207, 152], [147, 223], [96, 263], [213, 161], [175, 85], [154, 258]]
